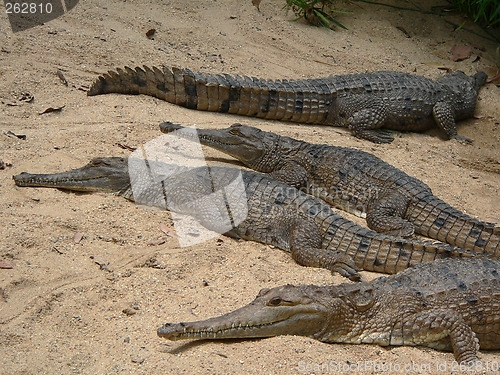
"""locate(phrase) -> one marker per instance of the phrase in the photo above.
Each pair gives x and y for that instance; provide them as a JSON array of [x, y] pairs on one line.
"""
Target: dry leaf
[[256, 3], [446, 69], [158, 242], [150, 33], [25, 97], [495, 80], [61, 77], [4, 164], [52, 109], [153, 263], [103, 265], [18, 97], [138, 360], [459, 53], [6, 265], [129, 312], [403, 30], [125, 147], [78, 237], [56, 250], [11, 103], [11, 134], [165, 229]]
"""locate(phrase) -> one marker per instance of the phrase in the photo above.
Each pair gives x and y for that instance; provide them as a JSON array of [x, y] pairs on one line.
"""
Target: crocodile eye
[[276, 301], [235, 129]]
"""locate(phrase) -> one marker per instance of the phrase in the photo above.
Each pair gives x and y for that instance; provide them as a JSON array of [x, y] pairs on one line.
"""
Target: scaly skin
[[451, 304], [362, 102], [277, 214], [353, 180]]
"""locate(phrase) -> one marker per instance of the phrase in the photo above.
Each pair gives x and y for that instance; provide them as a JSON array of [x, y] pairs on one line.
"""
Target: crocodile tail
[[377, 252], [436, 219], [393, 256], [304, 101]]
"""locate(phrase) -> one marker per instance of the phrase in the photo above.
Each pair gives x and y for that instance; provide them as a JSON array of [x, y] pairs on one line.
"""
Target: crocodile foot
[[345, 266], [374, 135]]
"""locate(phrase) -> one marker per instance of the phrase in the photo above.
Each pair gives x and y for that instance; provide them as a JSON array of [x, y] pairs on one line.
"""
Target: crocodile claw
[[374, 135], [345, 266], [463, 140]]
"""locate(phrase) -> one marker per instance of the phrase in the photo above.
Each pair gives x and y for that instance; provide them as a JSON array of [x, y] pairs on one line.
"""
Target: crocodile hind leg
[[366, 123], [386, 216], [306, 250], [443, 115], [299, 235]]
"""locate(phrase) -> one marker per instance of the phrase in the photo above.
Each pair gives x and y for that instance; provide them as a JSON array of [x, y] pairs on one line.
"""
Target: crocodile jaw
[[217, 330], [239, 141], [300, 316], [101, 174]]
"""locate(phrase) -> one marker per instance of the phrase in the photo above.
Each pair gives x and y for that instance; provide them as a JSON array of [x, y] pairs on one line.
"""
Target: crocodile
[[364, 102], [448, 304], [353, 180], [277, 214]]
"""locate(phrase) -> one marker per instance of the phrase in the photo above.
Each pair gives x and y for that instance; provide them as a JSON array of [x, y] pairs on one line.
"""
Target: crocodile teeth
[[206, 138]]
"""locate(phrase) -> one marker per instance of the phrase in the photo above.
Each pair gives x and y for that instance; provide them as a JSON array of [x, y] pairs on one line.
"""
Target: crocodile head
[[257, 149], [284, 310], [465, 89], [101, 174]]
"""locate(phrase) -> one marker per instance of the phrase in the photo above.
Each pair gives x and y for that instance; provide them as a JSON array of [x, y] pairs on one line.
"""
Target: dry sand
[[61, 304]]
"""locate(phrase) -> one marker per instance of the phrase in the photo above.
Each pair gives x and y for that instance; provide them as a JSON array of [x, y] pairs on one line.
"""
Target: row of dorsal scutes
[[292, 100], [304, 100], [434, 218], [147, 81]]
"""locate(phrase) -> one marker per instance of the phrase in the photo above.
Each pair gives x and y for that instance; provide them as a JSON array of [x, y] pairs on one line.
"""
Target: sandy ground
[[61, 305]]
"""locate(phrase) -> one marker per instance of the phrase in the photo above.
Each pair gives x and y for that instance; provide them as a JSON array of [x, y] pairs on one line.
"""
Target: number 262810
[[28, 8]]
